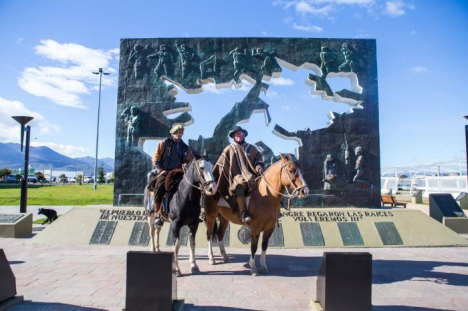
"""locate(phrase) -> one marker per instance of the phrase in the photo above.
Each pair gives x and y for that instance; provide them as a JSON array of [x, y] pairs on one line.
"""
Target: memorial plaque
[[140, 234], [388, 233], [10, 218], [443, 205], [312, 234], [277, 238], [183, 237], [225, 238], [350, 234], [103, 232]]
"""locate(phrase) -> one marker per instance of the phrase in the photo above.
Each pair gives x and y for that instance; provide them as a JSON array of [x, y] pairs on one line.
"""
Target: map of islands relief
[[340, 162]]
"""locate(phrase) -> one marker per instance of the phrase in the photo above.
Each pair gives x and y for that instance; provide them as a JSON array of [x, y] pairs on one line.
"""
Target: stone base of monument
[[15, 225], [297, 228], [457, 224]]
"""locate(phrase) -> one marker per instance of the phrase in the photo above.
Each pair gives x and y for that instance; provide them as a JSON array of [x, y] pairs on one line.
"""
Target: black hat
[[236, 129]]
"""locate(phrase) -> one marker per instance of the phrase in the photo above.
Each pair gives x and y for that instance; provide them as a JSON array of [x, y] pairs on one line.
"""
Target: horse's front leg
[[193, 232], [266, 238], [153, 247], [175, 229], [253, 250], [223, 224], [210, 223]]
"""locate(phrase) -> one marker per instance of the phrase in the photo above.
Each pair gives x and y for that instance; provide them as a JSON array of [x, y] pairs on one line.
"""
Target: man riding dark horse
[[236, 171], [171, 154]]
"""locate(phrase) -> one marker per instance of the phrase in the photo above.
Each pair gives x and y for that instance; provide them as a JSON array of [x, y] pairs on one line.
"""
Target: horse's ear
[[195, 154], [283, 157]]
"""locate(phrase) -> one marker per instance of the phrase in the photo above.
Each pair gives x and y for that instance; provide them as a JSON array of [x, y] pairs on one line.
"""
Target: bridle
[[292, 181], [204, 184]]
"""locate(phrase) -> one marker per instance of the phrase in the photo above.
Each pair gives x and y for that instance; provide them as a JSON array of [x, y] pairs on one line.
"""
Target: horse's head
[[204, 176], [291, 176]]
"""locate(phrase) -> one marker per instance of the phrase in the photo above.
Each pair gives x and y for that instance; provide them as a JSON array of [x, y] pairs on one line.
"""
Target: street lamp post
[[466, 141], [24, 181], [100, 73]]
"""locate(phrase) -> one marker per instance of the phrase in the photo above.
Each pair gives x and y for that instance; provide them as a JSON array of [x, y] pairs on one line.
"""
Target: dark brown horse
[[264, 207], [184, 208]]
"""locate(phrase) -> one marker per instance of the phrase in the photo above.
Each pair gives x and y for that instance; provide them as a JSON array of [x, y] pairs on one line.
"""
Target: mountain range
[[44, 158]]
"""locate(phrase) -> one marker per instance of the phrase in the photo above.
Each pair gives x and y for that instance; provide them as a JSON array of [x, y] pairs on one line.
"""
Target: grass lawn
[[57, 194]]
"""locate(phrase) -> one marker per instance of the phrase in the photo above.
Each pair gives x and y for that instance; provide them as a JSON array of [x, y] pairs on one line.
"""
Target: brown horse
[[264, 207]]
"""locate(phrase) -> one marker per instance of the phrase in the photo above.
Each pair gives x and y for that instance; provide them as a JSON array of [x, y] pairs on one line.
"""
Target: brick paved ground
[[93, 278]]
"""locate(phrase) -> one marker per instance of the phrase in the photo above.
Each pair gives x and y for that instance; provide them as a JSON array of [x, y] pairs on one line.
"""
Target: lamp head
[[22, 120]]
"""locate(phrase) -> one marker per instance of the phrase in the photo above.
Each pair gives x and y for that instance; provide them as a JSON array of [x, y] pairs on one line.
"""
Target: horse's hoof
[[253, 273], [212, 261], [226, 259], [264, 271], [195, 270], [178, 274]]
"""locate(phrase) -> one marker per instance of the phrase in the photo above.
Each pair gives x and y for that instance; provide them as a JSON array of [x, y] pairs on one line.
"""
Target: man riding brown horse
[[236, 170]]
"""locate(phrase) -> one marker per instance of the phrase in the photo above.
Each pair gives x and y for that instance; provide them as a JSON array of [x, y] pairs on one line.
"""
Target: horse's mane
[[293, 159]]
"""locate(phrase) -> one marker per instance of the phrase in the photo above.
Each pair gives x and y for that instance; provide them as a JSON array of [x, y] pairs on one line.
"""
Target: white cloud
[[316, 29], [286, 107], [67, 150], [396, 8], [419, 69], [72, 77], [281, 81], [19, 40], [309, 8], [328, 8], [10, 129]]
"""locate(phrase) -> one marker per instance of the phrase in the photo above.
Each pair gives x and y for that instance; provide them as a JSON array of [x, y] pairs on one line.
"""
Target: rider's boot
[[157, 210], [246, 218]]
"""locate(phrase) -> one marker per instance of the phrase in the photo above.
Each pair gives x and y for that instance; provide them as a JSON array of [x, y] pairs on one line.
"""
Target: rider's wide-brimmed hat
[[237, 129], [177, 127]]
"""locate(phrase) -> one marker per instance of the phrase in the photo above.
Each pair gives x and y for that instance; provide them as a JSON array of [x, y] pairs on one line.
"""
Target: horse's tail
[[147, 201], [215, 228]]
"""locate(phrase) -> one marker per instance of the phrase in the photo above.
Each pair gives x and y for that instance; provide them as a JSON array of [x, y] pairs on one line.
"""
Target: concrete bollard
[[151, 281], [344, 282]]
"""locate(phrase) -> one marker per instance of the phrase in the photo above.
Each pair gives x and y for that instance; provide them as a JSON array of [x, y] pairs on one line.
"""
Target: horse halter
[[204, 182], [295, 193]]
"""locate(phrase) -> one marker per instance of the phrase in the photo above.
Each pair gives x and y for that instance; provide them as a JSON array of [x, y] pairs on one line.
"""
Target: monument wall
[[340, 162]]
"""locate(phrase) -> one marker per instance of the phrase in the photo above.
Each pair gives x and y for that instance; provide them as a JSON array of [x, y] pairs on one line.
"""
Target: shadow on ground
[[404, 308], [383, 271], [44, 306], [191, 307]]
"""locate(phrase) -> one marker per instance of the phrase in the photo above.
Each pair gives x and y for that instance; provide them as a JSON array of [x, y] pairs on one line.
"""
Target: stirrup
[[246, 218], [158, 221]]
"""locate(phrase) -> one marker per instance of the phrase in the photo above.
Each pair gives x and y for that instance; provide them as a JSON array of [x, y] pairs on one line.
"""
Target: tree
[[79, 179], [4, 172], [62, 178], [101, 174], [40, 176]]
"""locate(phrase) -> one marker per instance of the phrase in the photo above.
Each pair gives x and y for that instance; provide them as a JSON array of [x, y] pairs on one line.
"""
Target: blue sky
[[50, 48]]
